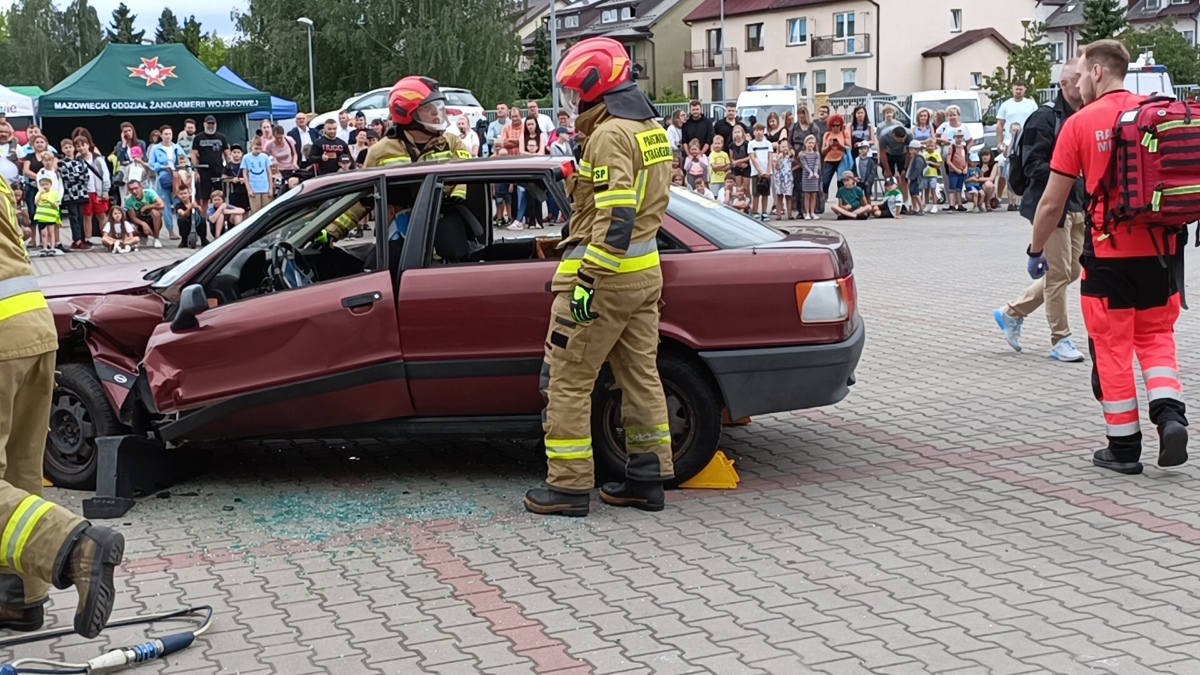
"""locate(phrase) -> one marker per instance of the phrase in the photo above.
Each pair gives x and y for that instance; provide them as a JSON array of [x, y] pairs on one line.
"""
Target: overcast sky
[[213, 16]]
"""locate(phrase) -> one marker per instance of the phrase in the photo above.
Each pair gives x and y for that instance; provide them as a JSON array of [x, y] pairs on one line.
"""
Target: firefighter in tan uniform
[[607, 289], [41, 543], [419, 130]]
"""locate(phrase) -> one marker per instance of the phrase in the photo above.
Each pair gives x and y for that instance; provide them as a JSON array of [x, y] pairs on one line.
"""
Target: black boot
[[643, 495], [1106, 460], [547, 501], [1172, 444], [22, 619]]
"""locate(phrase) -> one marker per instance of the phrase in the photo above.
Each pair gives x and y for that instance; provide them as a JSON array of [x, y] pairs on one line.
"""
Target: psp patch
[[654, 145], [600, 174]]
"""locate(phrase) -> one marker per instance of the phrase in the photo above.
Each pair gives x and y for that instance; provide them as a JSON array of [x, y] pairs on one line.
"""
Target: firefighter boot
[[1172, 444], [547, 501], [642, 488], [22, 619], [87, 561], [1107, 459]]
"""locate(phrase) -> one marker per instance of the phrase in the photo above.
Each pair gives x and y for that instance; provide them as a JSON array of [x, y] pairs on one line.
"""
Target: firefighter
[[607, 289], [1130, 295], [419, 123], [42, 543]]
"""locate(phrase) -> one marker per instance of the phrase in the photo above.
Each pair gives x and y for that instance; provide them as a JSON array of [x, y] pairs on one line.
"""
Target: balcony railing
[[709, 59], [851, 45]]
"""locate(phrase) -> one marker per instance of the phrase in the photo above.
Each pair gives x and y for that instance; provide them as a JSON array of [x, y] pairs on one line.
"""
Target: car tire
[[79, 414], [694, 404]]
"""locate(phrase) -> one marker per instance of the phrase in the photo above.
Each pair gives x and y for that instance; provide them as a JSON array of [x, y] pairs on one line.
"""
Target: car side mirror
[[192, 302]]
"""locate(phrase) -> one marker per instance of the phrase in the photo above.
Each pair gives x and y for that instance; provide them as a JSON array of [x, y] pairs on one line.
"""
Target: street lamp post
[[721, 47], [553, 60], [312, 82]]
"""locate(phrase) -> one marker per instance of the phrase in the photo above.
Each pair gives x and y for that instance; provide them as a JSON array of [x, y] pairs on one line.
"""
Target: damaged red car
[[433, 325]]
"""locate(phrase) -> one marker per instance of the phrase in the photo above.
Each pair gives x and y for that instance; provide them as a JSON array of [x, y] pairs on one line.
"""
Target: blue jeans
[[521, 205], [551, 208], [829, 174], [165, 191]]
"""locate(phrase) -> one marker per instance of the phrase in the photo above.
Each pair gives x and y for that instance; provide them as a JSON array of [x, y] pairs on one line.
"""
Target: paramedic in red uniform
[[1130, 297]]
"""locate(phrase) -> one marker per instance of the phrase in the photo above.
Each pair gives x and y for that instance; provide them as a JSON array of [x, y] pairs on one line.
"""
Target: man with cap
[[607, 289], [419, 133], [42, 543], [211, 151]]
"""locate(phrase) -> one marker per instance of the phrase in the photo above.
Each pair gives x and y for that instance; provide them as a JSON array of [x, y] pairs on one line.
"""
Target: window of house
[[1152, 4], [1058, 51], [626, 13], [849, 76], [797, 31], [572, 22], [718, 90], [632, 51], [819, 82], [799, 82], [1180, 2], [609, 16], [754, 37], [843, 25], [558, 23], [956, 21], [976, 80], [715, 42], [693, 89], [1190, 36]]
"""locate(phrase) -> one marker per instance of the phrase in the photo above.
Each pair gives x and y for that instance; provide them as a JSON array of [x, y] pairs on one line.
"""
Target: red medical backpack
[[1156, 163]]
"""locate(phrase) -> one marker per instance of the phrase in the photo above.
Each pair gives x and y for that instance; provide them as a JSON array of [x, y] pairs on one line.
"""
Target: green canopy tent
[[148, 86]]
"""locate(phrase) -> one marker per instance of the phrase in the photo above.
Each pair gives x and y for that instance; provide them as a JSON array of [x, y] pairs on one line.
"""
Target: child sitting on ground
[[852, 201], [893, 199], [119, 235]]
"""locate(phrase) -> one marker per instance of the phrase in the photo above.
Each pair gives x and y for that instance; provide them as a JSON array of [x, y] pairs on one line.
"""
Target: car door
[[473, 333], [315, 357]]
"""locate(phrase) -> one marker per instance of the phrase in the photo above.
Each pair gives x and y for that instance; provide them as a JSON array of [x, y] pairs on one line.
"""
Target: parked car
[[265, 333], [373, 105]]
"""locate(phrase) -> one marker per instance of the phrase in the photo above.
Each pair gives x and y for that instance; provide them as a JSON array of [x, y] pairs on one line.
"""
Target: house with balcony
[[1064, 23], [822, 46]]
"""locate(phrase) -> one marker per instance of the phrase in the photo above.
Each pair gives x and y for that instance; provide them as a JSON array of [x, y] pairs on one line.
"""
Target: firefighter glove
[[581, 304], [323, 238], [1037, 264]]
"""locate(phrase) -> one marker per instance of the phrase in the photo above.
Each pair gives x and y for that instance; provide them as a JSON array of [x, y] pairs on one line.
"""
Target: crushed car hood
[[105, 280]]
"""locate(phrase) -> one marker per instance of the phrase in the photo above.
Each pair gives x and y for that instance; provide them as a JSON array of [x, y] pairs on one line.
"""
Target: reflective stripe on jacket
[[26, 325]]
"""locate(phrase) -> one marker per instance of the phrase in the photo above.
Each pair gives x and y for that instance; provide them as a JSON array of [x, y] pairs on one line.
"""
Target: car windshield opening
[[723, 226], [969, 108]]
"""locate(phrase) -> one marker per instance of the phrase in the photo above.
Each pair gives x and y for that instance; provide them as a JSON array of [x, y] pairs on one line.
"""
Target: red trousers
[[1129, 307]]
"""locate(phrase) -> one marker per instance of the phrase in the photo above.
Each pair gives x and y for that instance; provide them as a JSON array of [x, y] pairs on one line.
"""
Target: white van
[[1148, 79], [760, 100]]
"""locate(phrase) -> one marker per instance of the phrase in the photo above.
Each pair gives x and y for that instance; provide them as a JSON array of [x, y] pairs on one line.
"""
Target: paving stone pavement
[[944, 518]]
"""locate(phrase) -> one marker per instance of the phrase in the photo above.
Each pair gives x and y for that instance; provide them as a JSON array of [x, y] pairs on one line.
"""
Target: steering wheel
[[286, 268]]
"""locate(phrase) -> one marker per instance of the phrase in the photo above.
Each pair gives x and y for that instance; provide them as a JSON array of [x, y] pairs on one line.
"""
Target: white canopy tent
[[13, 104]]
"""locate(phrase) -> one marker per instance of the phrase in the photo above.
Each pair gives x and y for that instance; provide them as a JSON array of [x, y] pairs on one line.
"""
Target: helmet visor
[[570, 100], [432, 116]]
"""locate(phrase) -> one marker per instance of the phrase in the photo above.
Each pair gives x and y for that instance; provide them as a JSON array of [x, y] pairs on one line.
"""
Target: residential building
[[529, 14], [652, 31], [821, 46], [1063, 25]]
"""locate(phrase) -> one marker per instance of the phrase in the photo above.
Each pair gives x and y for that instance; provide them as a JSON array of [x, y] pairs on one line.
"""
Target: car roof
[[482, 164]]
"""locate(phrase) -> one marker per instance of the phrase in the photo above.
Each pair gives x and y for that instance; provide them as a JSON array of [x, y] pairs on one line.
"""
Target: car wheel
[[79, 413], [694, 409]]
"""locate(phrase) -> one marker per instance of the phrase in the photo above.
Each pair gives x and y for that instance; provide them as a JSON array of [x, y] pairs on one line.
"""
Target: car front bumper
[[779, 379]]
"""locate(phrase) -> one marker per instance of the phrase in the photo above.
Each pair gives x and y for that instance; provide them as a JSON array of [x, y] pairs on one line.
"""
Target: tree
[[121, 30], [213, 52], [1171, 49], [536, 80], [33, 53], [1028, 61], [168, 30], [191, 35], [1102, 20], [82, 34]]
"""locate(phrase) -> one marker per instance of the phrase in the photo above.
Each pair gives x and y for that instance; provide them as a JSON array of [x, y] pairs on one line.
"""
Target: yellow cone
[[46, 482], [718, 475]]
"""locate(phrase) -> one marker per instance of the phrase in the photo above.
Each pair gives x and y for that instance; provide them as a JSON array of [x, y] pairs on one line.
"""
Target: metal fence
[[1181, 91]]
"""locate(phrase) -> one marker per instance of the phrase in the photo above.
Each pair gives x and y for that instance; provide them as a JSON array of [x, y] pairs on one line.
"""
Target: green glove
[[323, 238], [581, 304]]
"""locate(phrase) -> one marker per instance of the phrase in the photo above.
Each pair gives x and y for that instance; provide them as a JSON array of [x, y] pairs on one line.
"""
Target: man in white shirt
[[344, 127], [1016, 109], [544, 122]]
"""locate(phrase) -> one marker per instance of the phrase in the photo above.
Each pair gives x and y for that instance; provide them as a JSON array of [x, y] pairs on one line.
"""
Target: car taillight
[[825, 301], [453, 111]]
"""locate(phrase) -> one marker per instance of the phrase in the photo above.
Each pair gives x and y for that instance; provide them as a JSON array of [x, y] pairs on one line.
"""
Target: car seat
[[458, 234]]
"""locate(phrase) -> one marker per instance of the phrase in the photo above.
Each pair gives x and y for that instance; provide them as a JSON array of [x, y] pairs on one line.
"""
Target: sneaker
[[124, 249], [1011, 327], [516, 226], [60, 248], [1013, 207], [157, 242], [933, 208], [1172, 444], [1105, 460], [84, 246], [1064, 350]]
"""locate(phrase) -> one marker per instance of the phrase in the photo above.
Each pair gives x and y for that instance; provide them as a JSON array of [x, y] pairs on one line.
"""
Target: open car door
[[284, 349]]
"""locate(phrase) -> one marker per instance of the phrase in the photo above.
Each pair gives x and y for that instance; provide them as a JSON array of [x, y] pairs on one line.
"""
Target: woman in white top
[[468, 135], [949, 129], [675, 132]]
